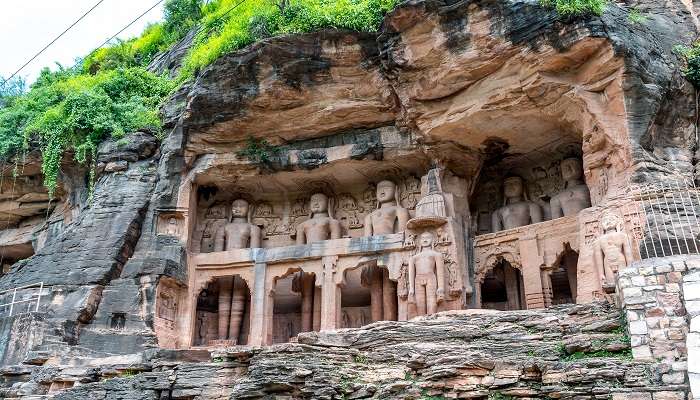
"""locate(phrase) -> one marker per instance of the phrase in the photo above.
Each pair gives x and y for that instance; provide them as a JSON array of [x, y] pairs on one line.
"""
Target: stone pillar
[[388, 297], [258, 305], [375, 290], [225, 287], [237, 308], [547, 291], [307, 302], [318, 295], [532, 279], [330, 308]]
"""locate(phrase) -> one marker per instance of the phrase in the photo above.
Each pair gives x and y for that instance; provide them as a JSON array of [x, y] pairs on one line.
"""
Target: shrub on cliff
[[574, 8], [692, 60], [67, 111], [179, 17], [224, 30]]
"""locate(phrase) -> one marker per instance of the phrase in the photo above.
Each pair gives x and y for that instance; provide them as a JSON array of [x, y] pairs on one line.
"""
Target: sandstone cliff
[[492, 79]]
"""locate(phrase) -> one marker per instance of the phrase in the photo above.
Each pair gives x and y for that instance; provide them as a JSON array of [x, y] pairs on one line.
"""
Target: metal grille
[[21, 300], [671, 225]]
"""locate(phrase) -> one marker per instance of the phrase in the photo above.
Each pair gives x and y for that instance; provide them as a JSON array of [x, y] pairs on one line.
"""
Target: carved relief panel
[[278, 218]]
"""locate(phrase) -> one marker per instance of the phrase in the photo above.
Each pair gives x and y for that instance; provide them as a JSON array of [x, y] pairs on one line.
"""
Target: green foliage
[[258, 19], [360, 359], [181, 16], [499, 396], [692, 59], [576, 8], [67, 111], [258, 151], [11, 90], [130, 53], [635, 16], [579, 355]]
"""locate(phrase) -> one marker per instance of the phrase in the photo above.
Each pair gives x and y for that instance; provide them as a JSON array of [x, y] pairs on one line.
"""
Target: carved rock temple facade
[[386, 240]]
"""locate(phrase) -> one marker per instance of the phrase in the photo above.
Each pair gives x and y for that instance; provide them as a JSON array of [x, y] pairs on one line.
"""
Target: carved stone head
[[386, 192], [318, 203], [611, 221], [571, 169], [426, 239], [239, 208], [513, 187]]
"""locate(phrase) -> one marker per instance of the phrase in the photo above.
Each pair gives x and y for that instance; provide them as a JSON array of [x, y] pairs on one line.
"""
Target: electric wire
[[4, 82]]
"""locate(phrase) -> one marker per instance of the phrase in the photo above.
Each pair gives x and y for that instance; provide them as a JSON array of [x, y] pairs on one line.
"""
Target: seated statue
[[239, 233], [517, 211], [611, 251], [389, 217], [576, 196], [321, 226], [426, 276]]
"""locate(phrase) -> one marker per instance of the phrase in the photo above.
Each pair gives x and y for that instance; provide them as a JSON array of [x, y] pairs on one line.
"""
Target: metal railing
[[22, 300], [672, 224]]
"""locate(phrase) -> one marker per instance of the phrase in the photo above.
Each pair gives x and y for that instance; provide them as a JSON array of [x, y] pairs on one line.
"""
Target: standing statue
[[426, 276], [239, 233], [611, 251], [517, 210], [576, 196], [389, 217], [321, 226]]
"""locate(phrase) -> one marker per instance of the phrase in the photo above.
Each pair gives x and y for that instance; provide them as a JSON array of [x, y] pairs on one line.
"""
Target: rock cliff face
[[492, 79], [467, 354]]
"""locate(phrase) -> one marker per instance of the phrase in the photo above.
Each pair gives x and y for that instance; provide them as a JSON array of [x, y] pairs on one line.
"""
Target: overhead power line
[[52, 42], [113, 36], [125, 28]]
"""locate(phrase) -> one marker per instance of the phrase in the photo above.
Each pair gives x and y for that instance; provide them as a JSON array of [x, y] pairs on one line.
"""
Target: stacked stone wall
[[661, 299]]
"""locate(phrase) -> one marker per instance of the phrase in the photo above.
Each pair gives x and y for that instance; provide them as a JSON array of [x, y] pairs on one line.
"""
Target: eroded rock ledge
[[466, 354]]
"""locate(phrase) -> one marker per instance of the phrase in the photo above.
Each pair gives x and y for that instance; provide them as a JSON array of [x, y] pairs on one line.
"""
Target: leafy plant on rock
[[258, 151], [70, 112], [576, 8], [692, 60], [635, 16]]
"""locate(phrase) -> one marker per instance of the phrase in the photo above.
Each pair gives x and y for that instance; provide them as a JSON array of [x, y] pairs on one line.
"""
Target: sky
[[26, 26]]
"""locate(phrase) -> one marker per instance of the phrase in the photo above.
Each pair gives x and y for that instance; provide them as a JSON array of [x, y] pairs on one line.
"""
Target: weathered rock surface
[[470, 354], [462, 73]]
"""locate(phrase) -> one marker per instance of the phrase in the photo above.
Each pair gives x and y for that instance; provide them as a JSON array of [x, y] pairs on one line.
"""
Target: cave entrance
[[223, 312], [11, 253], [502, 288], [296, 307], [563, 278], [367, 295]]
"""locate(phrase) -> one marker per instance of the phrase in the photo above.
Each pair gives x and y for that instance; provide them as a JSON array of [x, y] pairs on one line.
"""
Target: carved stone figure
[[239, 233], [232, 294], [321, 226], [389, 217], [575, 196], [426, 276], [517, 210], [173, 228], [612, 251]]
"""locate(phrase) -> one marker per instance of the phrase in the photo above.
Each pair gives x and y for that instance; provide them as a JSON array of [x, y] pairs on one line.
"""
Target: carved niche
[[171, 223], [214, 218], [410, 192], [349, 212]]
